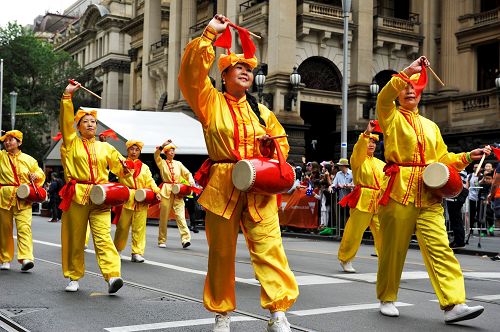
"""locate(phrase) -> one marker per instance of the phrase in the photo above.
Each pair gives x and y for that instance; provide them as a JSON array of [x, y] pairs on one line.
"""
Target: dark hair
[[488, 174]]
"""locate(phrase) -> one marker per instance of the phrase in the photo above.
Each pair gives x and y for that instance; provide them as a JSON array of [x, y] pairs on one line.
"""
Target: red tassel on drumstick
[[72, 81]]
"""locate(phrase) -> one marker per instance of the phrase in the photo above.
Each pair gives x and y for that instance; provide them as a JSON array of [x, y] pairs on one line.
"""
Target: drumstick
[[35, 188], [84, 88], [250, 32], [480, 164], [435, 76], [274, 137]]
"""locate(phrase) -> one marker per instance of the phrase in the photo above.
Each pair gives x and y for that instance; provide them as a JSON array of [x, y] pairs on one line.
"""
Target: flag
[[57, 137], [496, 151], [109, 133]]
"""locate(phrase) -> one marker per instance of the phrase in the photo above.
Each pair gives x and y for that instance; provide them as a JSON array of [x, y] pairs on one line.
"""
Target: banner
[[299, 210]]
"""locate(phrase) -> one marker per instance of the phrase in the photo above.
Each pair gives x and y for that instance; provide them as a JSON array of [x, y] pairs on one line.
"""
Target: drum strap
[[14, 171], [92, 179], [391, 169]]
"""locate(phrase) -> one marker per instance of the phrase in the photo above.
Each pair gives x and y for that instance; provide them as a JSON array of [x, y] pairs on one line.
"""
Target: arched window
[[320, 74], [383, 77]]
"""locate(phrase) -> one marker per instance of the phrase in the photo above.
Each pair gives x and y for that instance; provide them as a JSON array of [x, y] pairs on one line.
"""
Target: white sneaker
[[162, 245], [27, 265], [389, 309], [5, 266], [137, 258], [347, 267], [222, 323], [462, 312], [279, 324], [72, 286], [115, 284]]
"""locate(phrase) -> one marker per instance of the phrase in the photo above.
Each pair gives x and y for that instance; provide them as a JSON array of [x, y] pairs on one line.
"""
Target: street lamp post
[[13, 101], [260, 80], [346, 8], [295, 82], [374, 89]]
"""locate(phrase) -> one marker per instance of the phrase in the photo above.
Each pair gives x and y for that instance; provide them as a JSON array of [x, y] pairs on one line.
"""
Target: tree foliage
[[39, 75]]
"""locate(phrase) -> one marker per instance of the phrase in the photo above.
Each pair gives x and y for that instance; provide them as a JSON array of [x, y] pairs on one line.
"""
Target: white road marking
[[179, 323], [413, 275], [342, 308], [487, 297]]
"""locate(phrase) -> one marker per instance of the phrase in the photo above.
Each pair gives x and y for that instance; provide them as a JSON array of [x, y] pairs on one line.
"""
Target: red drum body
[[181, 189], [263, 176], [145, 196], [109, 194], [443, 180], [27, 192]]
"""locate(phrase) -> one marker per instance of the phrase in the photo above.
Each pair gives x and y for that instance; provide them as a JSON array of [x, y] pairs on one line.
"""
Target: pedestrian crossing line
[[487, 297], [413, 275], [174, 324], [343, 308]]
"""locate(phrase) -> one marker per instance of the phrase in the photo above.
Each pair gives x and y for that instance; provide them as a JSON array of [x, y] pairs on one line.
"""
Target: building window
[[487, 5], [321, 74], [393, 8], [488, 63]]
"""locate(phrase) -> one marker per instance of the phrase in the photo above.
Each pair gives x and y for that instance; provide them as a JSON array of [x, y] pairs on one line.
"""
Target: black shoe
[[186, 244], [495, 258], [195, 230], [455, 245]]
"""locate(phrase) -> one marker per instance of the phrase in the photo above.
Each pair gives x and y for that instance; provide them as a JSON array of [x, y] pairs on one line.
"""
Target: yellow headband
[[139, 144], [415, 77], [169, 146], [81, 113], [14, 133], [231, 59], [374, 137]]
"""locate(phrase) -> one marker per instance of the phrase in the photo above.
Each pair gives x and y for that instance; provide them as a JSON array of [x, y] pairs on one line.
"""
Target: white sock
[[277, 314]]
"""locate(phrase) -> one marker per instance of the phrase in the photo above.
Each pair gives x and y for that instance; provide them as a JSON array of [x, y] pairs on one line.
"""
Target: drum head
[[97, 194], [243, 175], [140, 195], [436, 175], [176, 188], [23, 191]]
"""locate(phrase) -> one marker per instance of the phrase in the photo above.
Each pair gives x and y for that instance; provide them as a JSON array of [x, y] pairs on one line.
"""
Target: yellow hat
[[81, 113], [14, 133], [415, 77], [169, 146], [343, 162], [374, 137], [231, 59], [139, 144]]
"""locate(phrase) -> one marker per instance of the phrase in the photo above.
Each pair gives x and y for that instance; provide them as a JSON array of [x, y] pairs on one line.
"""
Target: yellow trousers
[[397, 224], [178, 205], [24, 235], [138, 221], [279, 289], [87, 235], [73, 230], [353, 233]]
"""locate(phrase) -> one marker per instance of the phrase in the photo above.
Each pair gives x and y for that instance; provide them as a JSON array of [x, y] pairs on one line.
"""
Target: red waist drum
[[263, 176], [28, 192], [109, 194], [443, 180], [181, 189], [145, 196]]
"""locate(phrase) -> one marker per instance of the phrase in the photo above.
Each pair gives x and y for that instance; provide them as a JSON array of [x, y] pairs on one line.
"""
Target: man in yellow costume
[[232, 124], [407, 205], [16, 168], [368, 175], [135, 213], [172, 171], [86, 162]]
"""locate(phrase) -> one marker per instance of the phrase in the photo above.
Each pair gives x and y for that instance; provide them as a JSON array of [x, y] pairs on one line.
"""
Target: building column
[[449, 59], [362, 42], [151, 34], [112, 95]]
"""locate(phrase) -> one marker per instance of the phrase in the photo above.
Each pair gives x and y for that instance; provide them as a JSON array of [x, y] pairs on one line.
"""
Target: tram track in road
[[178, 296]]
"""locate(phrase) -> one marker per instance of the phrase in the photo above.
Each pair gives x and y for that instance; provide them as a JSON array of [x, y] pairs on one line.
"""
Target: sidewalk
[[489, 246]]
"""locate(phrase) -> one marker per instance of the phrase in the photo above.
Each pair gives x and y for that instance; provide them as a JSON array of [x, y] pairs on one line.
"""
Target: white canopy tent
[[152, 128]]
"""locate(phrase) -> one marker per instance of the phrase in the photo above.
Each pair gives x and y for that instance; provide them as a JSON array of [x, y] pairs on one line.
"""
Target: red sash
[[68, 191], [391, 169]]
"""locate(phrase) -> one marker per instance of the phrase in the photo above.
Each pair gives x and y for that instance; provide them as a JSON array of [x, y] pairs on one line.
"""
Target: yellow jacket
[[404, 132], [143, 181], [210, 106], [171, 172], [23, 164], [77, 163], [367, 172]]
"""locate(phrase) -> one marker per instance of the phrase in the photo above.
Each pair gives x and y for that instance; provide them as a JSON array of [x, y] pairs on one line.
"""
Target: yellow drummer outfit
[[172, 171], [231, 129], [85, 163], [15, 169], [134, 213], [411, 143], [368, 176]]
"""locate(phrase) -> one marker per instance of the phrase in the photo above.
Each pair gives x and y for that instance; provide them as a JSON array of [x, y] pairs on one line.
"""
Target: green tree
[[38, 74]]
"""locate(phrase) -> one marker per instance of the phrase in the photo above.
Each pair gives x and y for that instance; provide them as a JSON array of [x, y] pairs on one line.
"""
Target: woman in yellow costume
[[172, 172], [86, 163], [16, 168], [407, 205], [135, 213], [232, 124], [368, 175]]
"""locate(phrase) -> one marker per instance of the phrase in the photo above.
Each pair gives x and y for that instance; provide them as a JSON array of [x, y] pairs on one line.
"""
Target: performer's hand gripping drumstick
[[72, 81], [477, 154], [33, 177]]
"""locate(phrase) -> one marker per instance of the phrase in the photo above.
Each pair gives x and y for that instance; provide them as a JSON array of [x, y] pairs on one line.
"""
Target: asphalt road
[[165, 292]]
